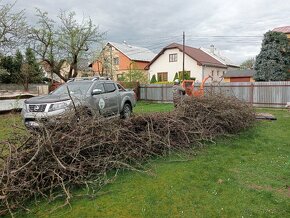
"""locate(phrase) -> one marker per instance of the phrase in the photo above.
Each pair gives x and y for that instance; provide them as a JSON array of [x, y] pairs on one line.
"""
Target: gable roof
[[240, 73], [220, 58], [133, 52], [198, 55], [283, 29]]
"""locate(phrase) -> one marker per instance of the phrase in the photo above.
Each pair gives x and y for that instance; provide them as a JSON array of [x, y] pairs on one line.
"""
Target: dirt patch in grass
[[285, 191]]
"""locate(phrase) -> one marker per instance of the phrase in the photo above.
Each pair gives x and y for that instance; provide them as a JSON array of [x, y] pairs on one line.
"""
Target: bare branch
[[12, 27]]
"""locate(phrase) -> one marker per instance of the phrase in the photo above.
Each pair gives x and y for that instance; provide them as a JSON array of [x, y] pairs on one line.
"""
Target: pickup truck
[[97, 95]]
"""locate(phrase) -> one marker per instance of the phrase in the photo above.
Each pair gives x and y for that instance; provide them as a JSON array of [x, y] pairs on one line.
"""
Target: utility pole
[[111, 60], [183, 47]]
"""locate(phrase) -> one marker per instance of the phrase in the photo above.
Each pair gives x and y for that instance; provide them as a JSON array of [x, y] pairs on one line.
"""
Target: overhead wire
[[160, 42]]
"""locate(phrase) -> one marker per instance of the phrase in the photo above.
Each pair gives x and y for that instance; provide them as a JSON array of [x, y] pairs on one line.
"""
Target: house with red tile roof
[[283, 29], [117, 59], [239, 75], [197, 64]]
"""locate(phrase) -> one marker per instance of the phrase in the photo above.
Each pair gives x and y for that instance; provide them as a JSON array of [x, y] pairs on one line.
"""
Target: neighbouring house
[[117, 59], [215, 53], [283, 29], [197, 64], [83, 70], [239, 76], [49, 74]]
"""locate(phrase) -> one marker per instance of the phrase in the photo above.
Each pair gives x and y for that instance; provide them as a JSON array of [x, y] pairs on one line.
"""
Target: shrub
[[153, 79]]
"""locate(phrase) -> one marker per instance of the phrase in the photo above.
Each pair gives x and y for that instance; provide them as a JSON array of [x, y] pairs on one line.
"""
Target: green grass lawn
[[247, 175], [9, 124], [148, 107]]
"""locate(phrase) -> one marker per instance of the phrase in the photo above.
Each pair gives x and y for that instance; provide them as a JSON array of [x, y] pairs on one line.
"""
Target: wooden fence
[[260, 94]]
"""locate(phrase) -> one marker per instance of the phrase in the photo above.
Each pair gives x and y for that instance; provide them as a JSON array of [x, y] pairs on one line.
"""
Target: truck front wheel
[[127, 111]]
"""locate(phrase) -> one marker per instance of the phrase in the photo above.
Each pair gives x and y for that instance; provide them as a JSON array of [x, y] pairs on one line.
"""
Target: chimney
[[211, 48]]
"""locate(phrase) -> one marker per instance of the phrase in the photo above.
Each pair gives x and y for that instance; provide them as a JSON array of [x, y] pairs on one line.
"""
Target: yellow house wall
[[226, 79]]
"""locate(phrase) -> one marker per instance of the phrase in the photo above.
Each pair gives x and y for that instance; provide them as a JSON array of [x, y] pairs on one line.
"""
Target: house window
[[162, 77], [173, 57], [116, 61], [218, 73]]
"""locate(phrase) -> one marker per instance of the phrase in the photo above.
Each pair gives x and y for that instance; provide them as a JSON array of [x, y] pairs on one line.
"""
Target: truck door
[[99, 100], [112, 97]]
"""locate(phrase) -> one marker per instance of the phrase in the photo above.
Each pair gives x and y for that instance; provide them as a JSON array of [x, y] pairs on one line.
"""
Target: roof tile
[[283, 29], [197, 54], [133, 52]]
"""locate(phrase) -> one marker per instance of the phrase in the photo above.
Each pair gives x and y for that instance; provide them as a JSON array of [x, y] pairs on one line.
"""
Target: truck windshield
[[74, 88]]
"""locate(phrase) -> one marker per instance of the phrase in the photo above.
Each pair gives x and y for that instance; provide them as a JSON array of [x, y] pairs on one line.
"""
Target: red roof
[[283, 29], [198, 55]]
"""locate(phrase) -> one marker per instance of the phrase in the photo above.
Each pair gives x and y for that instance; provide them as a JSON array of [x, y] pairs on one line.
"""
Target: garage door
[[240, 79]]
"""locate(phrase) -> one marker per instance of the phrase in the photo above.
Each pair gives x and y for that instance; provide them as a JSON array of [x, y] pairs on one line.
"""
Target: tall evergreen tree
[[6, 65], [272, 64], [153, 79], [30, 71], [11, 66], [30, 59]]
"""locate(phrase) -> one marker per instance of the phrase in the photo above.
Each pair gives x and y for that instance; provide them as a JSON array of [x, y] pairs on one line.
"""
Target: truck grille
[[37, 107]]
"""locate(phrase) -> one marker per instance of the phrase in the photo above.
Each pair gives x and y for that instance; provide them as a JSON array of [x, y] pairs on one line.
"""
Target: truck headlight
[[59, 105]]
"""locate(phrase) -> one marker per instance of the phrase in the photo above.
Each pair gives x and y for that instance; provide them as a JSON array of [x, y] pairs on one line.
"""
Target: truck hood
[[50, 99]]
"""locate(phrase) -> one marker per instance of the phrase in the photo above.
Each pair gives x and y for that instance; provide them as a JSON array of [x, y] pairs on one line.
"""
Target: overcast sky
[[235, 27]]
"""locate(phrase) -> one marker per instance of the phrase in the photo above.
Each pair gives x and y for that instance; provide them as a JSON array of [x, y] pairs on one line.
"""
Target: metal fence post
[[252, 93]]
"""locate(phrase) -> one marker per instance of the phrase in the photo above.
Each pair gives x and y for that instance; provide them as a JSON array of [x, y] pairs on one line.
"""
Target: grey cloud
[[154, 23]]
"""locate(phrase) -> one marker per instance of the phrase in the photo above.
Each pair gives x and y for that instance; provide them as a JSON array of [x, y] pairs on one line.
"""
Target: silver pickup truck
[[96, 95]]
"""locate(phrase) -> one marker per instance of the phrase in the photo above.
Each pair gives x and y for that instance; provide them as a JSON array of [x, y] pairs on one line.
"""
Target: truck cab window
[[121, 88], [110, 87]]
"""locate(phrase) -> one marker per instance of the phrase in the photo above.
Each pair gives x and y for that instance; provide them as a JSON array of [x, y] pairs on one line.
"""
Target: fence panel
[[156, 92], [261, 94], [12, 96], [271, 94]]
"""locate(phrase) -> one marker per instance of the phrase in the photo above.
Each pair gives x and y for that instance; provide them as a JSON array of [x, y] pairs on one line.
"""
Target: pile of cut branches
[[82, 151]]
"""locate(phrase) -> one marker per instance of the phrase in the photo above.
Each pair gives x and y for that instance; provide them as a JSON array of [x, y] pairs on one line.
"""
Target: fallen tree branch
[[81, 152]]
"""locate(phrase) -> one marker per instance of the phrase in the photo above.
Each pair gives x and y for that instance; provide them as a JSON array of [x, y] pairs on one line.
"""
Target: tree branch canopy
[[67, 43], [12, 27]]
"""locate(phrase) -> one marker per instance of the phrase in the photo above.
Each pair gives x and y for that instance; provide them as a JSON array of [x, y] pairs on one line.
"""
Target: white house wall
[[215, 72], [162, 64]]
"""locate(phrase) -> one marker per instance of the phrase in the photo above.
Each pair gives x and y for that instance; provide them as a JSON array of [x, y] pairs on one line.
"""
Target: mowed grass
[[150, 107], [9, 124], [247, 175]]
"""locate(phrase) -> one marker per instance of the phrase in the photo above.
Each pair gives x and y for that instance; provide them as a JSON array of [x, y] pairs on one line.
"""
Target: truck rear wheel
[[126, 111]]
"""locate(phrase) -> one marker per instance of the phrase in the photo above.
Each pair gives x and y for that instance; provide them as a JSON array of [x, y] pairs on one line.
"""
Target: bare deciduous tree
[[69, 42], [44, 42], [76, 39], [12, 27]]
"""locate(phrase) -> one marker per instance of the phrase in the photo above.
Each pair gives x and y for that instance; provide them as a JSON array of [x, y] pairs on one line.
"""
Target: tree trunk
[[25, 85]]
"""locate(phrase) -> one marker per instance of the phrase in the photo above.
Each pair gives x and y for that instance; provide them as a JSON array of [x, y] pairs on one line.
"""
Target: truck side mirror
[[97, 91]]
